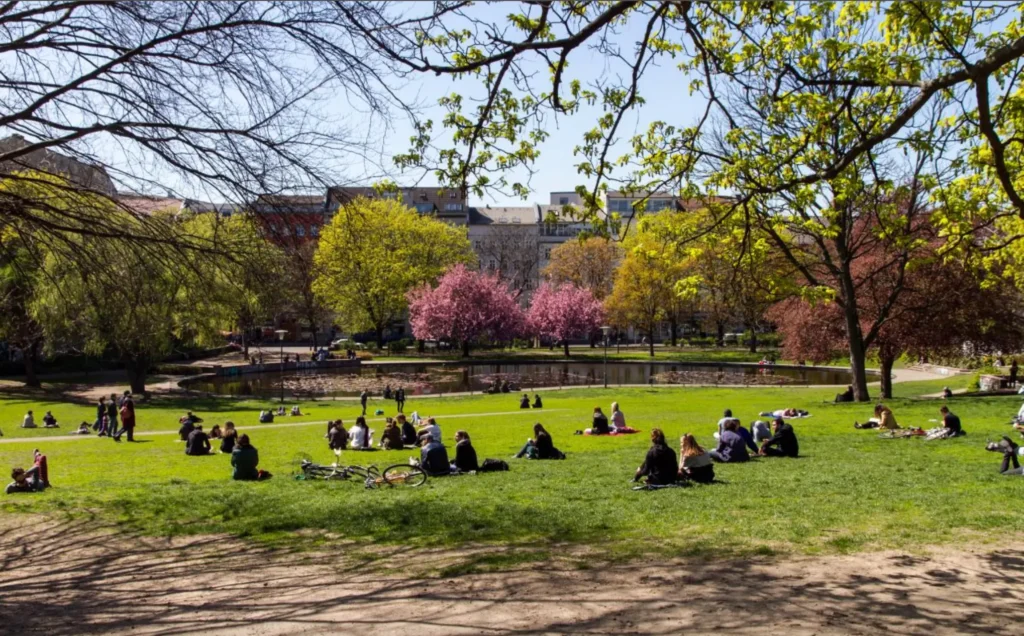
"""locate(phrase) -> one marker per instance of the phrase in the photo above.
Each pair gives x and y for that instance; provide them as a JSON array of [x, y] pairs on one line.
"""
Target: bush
[[398, 346], [701, 342], [364, 355], [372, 346]]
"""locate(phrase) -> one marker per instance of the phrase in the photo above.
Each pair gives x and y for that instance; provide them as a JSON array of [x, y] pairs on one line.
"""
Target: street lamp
[[281, 333], [605, 329]]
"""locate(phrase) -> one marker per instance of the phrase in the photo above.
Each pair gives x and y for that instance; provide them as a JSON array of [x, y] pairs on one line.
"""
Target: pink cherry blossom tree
[[466, 307], [564, 312]]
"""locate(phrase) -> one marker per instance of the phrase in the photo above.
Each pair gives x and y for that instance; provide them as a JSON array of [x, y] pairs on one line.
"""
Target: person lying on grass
[[783, 443], [790, 412], [695, 463], [599, 423], [465, 454], [541, 446], [660, 466], [434, 457], [883, 419], [731, 447], [25, 481], [83, 429], [198, 442], [245, 460]]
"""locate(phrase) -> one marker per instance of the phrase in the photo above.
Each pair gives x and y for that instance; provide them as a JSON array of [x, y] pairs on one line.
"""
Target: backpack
[[493, 465]]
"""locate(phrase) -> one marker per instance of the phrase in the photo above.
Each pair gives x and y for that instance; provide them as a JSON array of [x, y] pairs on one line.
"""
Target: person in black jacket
[[112, 417], [599, 425], [409, 435], [660, 467], [524, 402], [198, 442], [465, 454], [541, 446], [229, 439], [783, 443]]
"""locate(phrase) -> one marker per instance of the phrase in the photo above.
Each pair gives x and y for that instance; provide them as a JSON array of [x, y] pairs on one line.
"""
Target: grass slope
[[849, 491]]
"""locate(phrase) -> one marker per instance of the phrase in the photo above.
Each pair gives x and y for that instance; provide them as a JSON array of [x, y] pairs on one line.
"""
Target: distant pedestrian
[[400, 399], [364, 397], [1013, 372], [112, 416], [127, 418], [101, 412]]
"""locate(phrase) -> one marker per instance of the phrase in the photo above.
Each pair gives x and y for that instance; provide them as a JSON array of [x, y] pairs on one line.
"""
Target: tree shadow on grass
[[84, 577]]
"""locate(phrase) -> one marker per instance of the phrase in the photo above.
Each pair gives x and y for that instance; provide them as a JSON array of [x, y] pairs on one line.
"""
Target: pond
[[435, 378]]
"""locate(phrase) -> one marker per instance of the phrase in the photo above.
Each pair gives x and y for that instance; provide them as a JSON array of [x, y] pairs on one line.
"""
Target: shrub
[[364, 355], [398, 346]]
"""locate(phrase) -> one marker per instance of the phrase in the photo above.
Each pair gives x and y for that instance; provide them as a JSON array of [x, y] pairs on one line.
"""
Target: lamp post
[[605, 329], [281, 333]]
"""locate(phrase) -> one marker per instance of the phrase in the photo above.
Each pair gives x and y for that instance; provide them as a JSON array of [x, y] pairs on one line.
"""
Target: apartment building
[[447, 204]]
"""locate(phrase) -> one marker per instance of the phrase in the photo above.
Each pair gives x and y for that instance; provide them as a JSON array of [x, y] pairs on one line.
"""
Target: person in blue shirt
[[434, 457], [731, 447]]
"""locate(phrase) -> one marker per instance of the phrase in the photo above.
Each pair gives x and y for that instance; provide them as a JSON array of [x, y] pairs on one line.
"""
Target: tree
[[300, 273], [588, 263], [466, 307], [18, 280], [564, 312], [945, 307], [374, 252], [223, 98]]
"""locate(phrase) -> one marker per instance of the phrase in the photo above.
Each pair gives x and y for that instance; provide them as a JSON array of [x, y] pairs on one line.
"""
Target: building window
[[453, 207], [563, 200], [476, 245], [491, 265], [453, 195], [547, 253], [314, 230], [621, 206], [423, 196], [300, 230], [390, 195]]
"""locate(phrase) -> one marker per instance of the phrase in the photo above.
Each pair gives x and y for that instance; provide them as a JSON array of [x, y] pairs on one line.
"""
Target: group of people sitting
[[245, 458], [267, 417], [599, 424], [884, 419], [398, 433], [198, 441], [49, 421], [735, 440], [501, 386], [524, 402], [434, 456]]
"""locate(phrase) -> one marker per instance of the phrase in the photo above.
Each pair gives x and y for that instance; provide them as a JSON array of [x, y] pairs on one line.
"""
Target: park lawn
[[850, 491]]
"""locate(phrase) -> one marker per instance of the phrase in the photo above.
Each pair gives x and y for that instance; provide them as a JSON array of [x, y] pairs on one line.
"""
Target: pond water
[[434, 378]]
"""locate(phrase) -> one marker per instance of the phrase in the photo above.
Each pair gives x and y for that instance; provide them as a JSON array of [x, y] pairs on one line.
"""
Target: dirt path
[[70, 579]]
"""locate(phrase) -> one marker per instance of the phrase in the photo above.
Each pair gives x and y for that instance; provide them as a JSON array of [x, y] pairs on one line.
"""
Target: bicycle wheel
[[357, 471], [404, 475]]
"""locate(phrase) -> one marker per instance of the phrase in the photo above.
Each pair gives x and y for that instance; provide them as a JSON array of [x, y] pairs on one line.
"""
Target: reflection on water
[[419, 379]]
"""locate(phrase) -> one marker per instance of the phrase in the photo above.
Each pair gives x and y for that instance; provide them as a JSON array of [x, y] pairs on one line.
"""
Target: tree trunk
[[421, 345], [650, 342], [465, 348], [379, 330], [753, 341], [720, 333], [245, 345], [29, 357], [887, 363], [137, 369], [858, 355], [674, 329], [566, 343]]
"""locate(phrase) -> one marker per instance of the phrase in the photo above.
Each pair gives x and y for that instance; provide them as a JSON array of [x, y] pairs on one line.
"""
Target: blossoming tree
[[466, 307], [564, 312]]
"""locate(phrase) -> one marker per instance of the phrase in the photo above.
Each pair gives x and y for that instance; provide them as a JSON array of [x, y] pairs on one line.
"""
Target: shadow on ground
[[83, 578]]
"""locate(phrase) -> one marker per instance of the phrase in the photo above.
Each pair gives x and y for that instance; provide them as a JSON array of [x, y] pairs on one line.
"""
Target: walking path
[[55, 438]]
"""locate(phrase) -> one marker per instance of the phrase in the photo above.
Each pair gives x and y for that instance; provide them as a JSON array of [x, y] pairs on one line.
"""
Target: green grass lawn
[[849, 491]]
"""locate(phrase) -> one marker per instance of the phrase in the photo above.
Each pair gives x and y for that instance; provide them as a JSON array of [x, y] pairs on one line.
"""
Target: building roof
[[86, 175], [144, 205], [504, 215]]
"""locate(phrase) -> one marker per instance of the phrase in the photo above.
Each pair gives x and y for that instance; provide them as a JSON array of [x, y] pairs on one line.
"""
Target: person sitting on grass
[[434, 457], [951, 422], [731, 447], [695, 463], [229, 438], [296, 411], [266, 417], [845, 396], [280, 411], [83, 429], [215, 432], [783, 443], [619, 421], [391, 438], [726, 416], [359, 434], [599, 425], [537, 404], [883, 419], [49, 421], [431, 429], [408, 430], [25, 481], [28, 421], [465, 454], [524, 402], [188, 424], [947, 393], [337, 437], [1009, 450], [760, 431], [198, 442], [245, 460], [541, 446], [660, 466]]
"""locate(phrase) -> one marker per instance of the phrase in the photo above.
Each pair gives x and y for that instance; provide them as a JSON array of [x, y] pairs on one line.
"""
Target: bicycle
[[900, 433], [371, 476]]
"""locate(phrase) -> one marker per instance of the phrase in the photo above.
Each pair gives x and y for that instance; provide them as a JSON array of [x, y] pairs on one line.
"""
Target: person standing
[[363, 398], [101, 411], [112, 416], [127, 418], [400, 399], [1013, 372]]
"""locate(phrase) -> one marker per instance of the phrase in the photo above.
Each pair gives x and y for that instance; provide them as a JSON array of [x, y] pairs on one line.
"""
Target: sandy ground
[[78, 578]]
